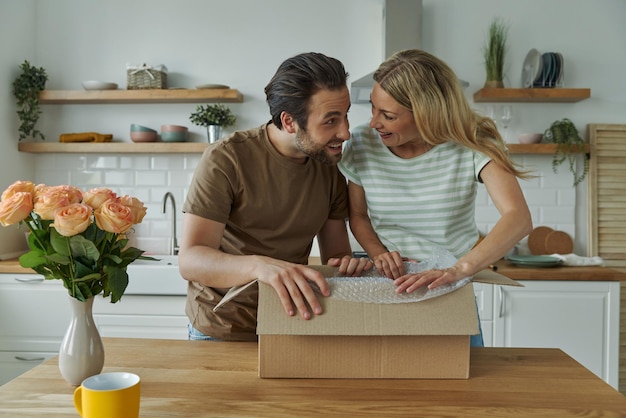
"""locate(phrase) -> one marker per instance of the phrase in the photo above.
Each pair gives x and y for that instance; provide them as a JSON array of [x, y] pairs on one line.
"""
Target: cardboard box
[[429, 339]]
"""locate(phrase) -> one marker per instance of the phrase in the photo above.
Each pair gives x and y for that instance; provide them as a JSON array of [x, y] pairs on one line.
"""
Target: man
[[258, 199]]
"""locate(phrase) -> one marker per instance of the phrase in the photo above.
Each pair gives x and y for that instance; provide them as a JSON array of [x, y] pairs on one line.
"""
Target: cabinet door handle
[[501, 302], [32, 280], [21, 358]]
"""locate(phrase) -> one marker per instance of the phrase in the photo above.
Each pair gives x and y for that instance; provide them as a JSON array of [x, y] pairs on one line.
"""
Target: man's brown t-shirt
[[270, 205]]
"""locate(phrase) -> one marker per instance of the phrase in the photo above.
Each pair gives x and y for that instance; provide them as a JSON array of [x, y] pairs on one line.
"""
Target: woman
[[413, 175]]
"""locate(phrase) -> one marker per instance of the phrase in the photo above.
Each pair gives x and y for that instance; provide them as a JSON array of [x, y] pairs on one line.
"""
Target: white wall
[[590, 35], [241, 42], [17, 43]]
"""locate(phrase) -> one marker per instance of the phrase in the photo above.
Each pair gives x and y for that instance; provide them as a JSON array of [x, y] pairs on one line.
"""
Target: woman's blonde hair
[[429, 88]]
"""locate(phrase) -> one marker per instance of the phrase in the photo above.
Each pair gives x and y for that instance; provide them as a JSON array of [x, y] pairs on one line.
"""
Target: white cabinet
[[142, 316], [484, 302], [34, 315], [579, 317]]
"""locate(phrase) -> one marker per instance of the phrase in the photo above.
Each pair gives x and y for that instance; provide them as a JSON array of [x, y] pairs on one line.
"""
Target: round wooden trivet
[[537, 240], [559, 242]]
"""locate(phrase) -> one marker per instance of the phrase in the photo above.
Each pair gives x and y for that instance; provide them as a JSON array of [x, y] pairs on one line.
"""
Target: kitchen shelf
[[543, 148], [198, 147], [531, 95], [140, 96], [113, 147]]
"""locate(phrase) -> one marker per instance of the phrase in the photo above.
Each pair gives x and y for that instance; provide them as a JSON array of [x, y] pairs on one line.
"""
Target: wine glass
[[506, 117], [490, 112]]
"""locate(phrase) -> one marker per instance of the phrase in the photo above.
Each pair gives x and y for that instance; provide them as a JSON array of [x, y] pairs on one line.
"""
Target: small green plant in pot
[[565, 135], [213, 117], [26, 89], [494, 52]]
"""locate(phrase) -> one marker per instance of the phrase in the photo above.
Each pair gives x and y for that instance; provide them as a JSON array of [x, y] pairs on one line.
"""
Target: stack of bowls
[[174, 133], [530, 138], [139, 133]]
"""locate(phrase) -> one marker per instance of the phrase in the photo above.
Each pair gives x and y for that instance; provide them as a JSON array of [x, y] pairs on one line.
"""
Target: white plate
[[532, 68], [212, 86], [98, 85]]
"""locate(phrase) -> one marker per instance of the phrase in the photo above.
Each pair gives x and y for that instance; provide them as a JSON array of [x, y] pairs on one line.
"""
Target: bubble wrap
[[371, 287]]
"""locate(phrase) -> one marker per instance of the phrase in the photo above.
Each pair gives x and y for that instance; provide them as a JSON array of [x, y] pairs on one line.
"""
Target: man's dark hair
[[297, 79]]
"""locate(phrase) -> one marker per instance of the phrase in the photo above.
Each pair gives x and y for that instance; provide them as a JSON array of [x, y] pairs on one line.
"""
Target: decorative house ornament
[[26, 88], [214, 118], [80, 239], [564, 133], [494, 53]]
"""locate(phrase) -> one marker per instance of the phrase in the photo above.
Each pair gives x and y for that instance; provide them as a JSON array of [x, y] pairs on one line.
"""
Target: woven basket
[[147, 78]]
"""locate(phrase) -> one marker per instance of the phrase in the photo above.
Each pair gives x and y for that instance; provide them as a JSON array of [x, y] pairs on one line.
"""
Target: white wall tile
[[551, 199]]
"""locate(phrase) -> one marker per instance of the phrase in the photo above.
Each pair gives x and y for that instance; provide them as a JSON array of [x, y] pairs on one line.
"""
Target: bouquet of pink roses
[[77, 237]]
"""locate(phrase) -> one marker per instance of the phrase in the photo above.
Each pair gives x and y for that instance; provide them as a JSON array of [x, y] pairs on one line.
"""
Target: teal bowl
[[140, 128], [173, 136]]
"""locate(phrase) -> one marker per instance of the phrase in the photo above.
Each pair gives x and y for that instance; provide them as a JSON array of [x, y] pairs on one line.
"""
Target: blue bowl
[[173, 136], [140, 128]]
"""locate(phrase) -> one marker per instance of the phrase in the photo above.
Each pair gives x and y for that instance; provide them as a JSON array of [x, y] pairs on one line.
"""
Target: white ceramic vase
[[214, 132], [81, 354]]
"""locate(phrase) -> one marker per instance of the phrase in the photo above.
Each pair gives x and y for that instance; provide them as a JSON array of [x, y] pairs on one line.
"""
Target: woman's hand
[[431, 278], [350, 266], [390, 264]]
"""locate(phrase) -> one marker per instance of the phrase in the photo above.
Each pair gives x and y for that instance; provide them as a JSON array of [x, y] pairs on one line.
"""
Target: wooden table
[[206, 379]]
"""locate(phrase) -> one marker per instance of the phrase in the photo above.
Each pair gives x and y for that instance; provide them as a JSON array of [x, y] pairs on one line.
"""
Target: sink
[[146, 277]]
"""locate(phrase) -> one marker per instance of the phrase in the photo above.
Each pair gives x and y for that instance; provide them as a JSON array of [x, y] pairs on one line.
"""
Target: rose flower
[[18, 186], [97, 196], [114, 217], [15, 208], [73, 219], [49, 201], [136, 207]]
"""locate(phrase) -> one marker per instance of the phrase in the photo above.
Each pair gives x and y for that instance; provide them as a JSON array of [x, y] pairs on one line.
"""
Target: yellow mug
[[108, 395]]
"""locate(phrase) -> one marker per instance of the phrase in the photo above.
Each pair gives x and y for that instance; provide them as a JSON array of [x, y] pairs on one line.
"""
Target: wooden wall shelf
[[198, 147], [113, 147], [139, 96], [534, 95]]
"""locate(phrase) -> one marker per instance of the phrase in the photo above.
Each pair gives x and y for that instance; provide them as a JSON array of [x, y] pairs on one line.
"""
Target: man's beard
[[305, 144]]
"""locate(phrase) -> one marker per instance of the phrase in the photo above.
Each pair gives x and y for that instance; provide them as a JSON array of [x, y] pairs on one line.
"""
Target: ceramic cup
[[108, 395]]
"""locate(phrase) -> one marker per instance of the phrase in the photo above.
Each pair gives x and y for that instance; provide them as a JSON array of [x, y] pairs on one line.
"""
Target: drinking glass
[[506, 117]]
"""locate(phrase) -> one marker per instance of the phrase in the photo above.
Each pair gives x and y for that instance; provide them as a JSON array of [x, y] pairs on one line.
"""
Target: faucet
[[173, 241]]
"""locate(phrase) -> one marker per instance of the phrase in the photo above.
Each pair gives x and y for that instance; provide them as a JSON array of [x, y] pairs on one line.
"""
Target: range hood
[[402, 29]]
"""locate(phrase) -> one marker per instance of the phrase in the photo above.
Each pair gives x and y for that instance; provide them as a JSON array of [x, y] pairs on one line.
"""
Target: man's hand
[[291, 283]]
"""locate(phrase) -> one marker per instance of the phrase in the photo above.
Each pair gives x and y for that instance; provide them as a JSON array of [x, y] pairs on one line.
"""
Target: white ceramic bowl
[[530, 138], [98, 85]]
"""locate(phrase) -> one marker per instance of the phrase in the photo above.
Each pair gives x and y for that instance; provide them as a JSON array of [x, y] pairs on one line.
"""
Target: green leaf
[[82, 247], [83, 270], [60, 244], [63, 260], [118, 281], [32, 259]]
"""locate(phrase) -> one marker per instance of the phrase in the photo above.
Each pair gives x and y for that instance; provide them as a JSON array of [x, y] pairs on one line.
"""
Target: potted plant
[[494, 52], [26, 88], [565, 135], [214, 117]]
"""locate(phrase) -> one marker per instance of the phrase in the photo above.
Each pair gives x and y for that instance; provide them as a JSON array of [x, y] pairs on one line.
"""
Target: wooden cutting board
[[545, 240], [537, 240], [559, 242]]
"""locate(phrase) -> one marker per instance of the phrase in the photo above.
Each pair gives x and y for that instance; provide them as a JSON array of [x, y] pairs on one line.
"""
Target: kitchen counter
[[589, 273], [13, 266], [196, 378], [578, 273]]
